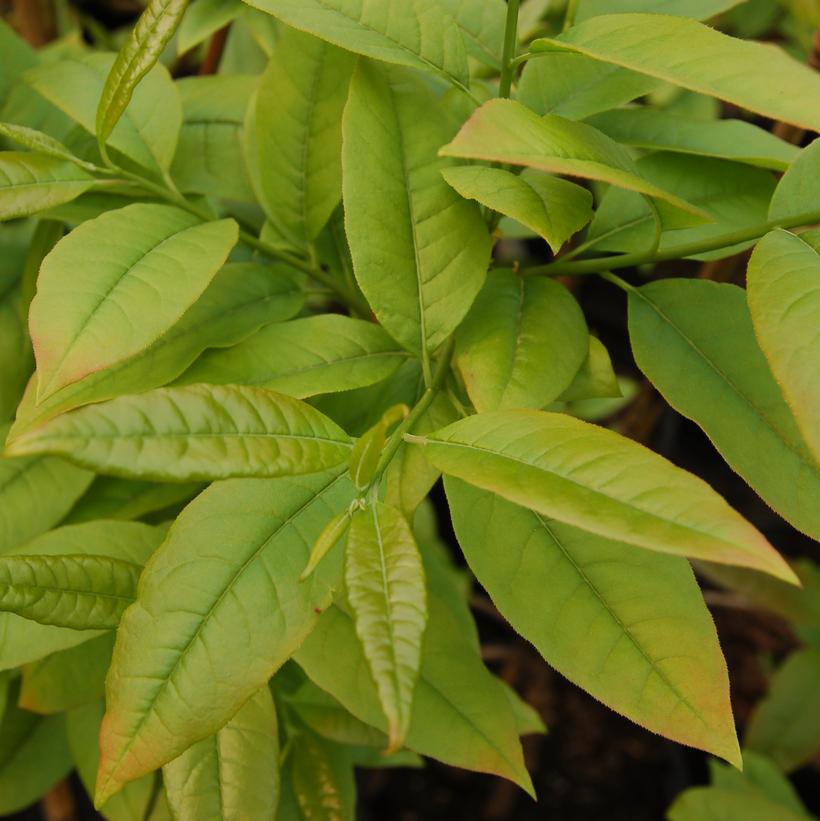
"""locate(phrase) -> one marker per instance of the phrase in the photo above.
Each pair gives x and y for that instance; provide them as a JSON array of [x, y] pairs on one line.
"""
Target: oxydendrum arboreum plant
[[265, 319]]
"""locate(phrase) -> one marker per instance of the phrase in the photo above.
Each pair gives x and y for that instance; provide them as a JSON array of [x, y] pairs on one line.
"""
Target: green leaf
[[722, 804], [83, 726], [657, 130], [785, 726], [576, 86], [385, 584], [760, 775], [152, 263], [592, 478], [697, 9], [42, 143], [420, 252], [304, 357], [80, 592], [751, 75], [232, 775], [505, 131], [139, 54], [321, 780], [419, 34], [33, 756], [194, 598], [695, 342], [32, 182], [241, 298], [461, 713], [798, 189], [783, 290], [298, 137], [204, 18], [146, 133], [482, 26], [629, 626], [521, 344], [210, 154], [16, 355], [554, 208], [194, 433], [733, 195], [68, 678], [23, 641], [595, 378]]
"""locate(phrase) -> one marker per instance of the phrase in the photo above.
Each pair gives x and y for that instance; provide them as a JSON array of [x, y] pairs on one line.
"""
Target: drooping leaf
[[734, 196], [785, 726], [760, 78], [697, 9], [68, 678], [32, 182], [41, 142], [505, 131], [194, 597], [299, 136], [232, 775], [138, 55], [554, 208], [80, 592], [321, 779], [657, 130], [152, 262], [204, 18], [592, 478], [385, 585], [146, 133], [193, 433], [695, 342], [630, 626], [23, 641], [522, 342], [241, 298], [415, 33], [305, 357], [420, 252], [461, 714], [33, 756], [783, 290]]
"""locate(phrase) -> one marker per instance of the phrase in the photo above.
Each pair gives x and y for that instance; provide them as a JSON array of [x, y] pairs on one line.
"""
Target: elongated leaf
[[461, 715], [305, 357], [232, 775], [735, 197], [521, 344], [68, 678], [32, 182], [241, 298], [210, 155], [40, 142], [576, 86], [152, 263], [726, 139], [760, 78], [505, 131], [482, 26], [694, 340], [414, 33], [204, 18], [200, 432], [697, 9], [138, 55], [23, 641], [783, 282], [594, 479], [299, 135], [146, 133], [405, 225], [80, 592], [554, 208], [384, 577], [321, 778], [203, 614], [33, 756], [16, 355], [630, 626], [786, 724]]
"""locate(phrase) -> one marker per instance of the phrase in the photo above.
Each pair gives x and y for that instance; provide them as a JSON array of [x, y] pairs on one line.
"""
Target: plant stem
[[569, 17], [595, 266], [156, 786], [510, 43]]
